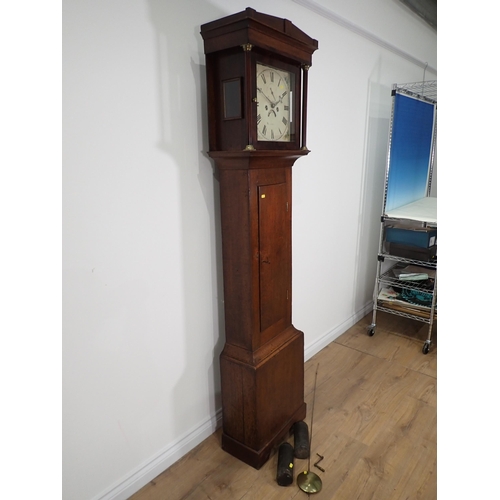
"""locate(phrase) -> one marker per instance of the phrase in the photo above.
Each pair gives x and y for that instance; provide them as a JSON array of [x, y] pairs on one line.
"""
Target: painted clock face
[[273, 104]]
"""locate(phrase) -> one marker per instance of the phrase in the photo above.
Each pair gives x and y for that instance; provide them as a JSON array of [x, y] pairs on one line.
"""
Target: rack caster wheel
[[371, 330], [426, 347]]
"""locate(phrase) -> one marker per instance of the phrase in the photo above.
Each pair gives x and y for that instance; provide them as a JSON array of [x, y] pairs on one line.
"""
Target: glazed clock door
[[274, 104], [275, 258]]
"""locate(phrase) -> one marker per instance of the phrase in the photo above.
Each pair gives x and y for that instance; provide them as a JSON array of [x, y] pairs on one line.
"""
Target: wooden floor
[[374, 423]]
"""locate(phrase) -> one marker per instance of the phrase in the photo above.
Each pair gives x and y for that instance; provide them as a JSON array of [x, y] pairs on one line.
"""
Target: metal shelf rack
[[395, 175]]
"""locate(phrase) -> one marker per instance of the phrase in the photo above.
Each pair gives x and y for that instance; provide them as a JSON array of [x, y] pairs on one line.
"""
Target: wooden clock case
[[262, 363]]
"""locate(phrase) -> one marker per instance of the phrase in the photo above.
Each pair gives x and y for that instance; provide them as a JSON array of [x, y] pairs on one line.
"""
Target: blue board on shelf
[[410, 151]]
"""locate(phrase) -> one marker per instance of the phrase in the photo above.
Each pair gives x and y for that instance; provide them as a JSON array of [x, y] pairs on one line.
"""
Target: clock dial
[[273, 104]]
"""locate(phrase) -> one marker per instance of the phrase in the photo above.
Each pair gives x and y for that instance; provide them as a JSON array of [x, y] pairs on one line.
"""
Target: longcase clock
[[257, 74]]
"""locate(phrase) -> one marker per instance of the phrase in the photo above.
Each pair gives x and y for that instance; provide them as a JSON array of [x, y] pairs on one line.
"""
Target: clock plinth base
[[257, 458], [262, 395]]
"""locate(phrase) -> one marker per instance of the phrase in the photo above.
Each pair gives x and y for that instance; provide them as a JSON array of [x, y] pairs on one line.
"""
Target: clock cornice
[[261, 30]]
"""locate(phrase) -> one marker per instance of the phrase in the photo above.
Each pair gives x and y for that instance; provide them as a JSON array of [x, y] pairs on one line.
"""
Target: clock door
[[277, 93], [275, 258]]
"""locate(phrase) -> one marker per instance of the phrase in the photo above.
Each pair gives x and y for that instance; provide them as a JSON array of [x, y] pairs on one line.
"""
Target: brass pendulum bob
[[308, 481]]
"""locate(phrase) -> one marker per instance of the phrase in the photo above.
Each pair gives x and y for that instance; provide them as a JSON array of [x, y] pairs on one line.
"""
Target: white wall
[[142, 283]]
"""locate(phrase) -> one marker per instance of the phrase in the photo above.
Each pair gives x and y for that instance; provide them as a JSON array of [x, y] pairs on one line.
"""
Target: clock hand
[[270, 102], [280, 96]]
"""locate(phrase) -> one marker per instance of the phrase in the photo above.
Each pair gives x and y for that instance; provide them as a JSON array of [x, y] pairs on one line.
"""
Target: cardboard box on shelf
[[413, 252], [423, 237]]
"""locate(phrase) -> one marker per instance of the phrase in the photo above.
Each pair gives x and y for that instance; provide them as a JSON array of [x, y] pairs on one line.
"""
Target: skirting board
[[330, 336], [146, 472], [139, 477]]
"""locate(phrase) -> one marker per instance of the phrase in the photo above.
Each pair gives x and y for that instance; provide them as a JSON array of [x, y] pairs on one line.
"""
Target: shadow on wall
[[184, 137], [372, 188]]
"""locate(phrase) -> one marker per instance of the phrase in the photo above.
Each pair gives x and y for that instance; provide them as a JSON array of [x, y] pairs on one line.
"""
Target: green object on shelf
[[417, 297]]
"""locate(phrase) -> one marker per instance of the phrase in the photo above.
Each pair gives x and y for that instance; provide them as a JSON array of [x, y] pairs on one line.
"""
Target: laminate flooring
[[374, 423]]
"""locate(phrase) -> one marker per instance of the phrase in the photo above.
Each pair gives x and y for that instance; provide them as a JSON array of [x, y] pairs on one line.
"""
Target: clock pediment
[[262, 30]]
